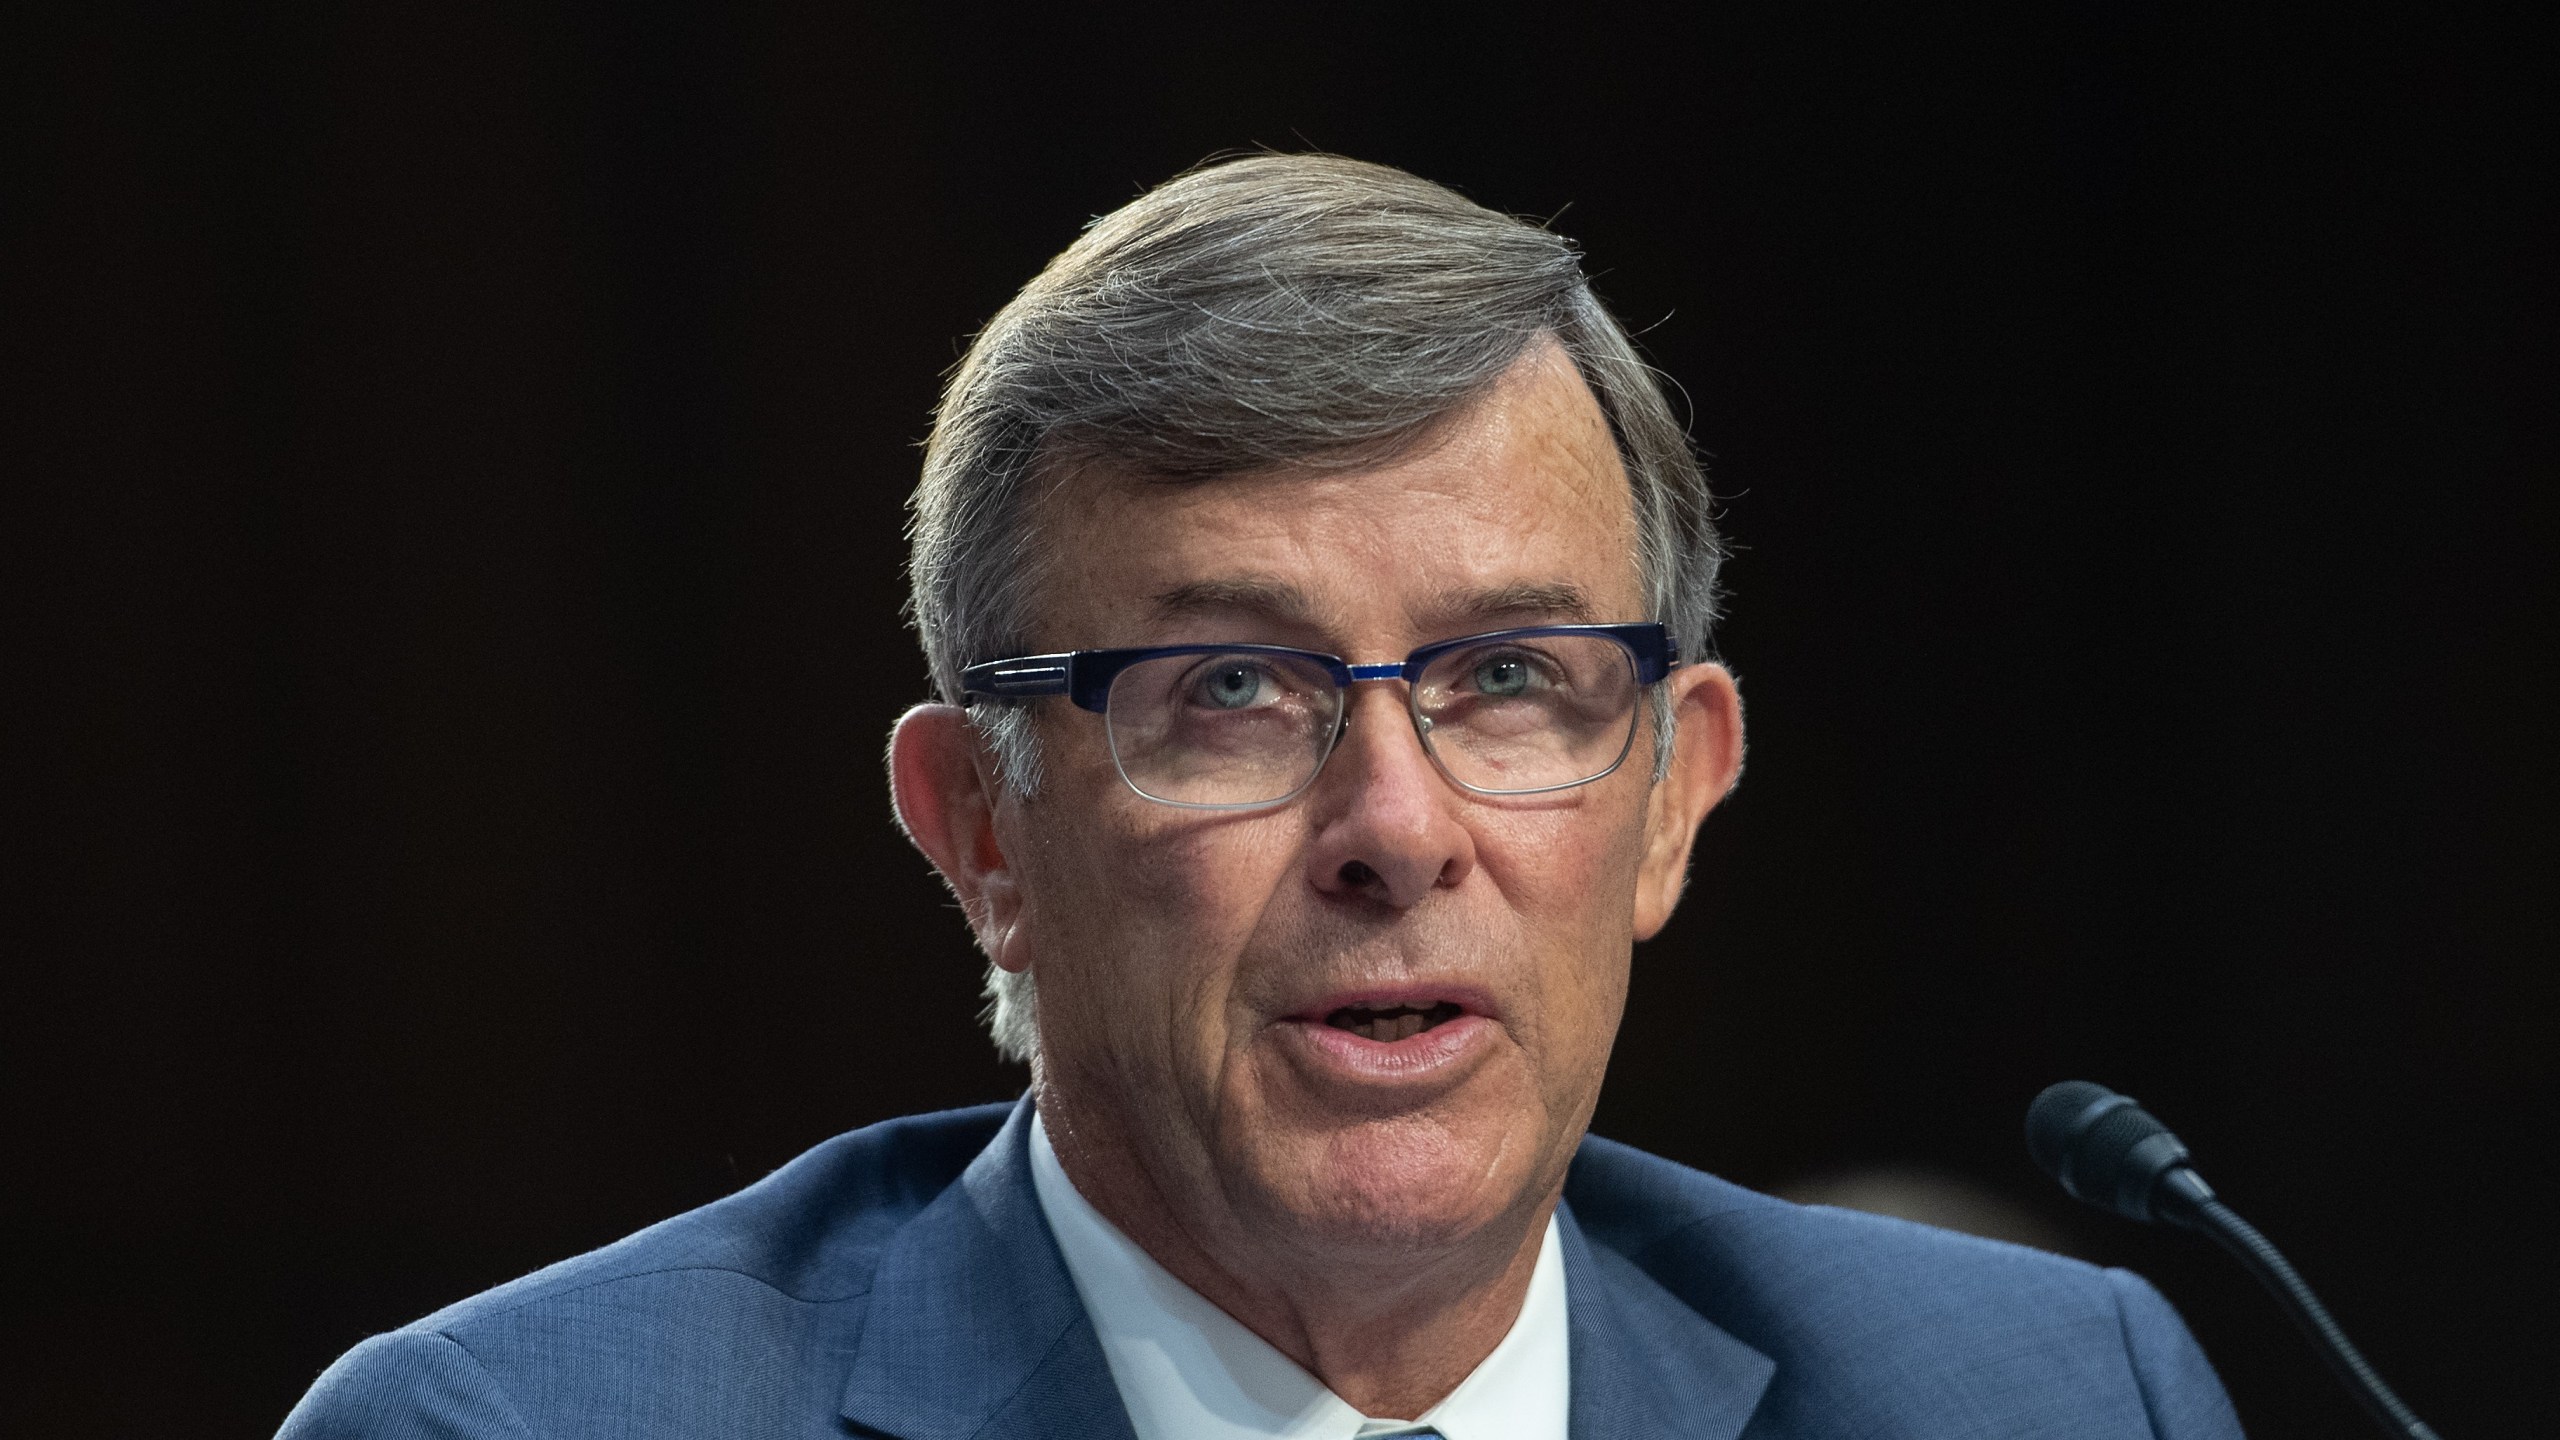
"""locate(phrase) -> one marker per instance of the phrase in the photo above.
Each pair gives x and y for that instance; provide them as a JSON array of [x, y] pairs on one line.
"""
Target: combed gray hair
[[1271, 311]]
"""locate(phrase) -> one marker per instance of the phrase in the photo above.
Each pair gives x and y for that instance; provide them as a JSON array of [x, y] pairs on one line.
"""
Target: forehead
[[1516, 504]]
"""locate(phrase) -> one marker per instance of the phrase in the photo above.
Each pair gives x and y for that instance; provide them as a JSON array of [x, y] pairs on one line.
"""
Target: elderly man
[[1318, 588]]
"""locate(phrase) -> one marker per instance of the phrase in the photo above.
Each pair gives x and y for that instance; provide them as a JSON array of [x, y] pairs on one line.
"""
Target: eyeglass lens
[[1509, 716]]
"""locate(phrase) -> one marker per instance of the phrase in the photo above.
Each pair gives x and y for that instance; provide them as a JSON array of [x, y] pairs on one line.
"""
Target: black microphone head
[[2102, 1147]]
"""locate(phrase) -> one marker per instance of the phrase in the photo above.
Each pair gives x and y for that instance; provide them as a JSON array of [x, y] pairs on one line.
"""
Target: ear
[[1706, 758], [944, 787]]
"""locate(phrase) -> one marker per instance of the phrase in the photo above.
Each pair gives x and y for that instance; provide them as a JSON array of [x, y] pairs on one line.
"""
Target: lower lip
[[1340, 1055]]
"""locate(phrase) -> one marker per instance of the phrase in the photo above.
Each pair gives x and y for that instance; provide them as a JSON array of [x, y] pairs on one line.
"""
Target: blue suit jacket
[[901, 1281]]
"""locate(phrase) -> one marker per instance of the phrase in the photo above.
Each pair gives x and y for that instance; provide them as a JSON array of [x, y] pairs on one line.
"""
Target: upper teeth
[[1393, 1022]]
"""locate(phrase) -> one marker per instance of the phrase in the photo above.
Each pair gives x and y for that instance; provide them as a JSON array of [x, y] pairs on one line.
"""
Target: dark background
[[458, 515]]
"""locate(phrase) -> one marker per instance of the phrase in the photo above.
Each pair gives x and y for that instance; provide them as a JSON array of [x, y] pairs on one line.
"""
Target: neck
[[1391, 1328]]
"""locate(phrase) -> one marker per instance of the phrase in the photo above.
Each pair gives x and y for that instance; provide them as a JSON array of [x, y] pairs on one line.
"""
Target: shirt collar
[[1188, 1370]]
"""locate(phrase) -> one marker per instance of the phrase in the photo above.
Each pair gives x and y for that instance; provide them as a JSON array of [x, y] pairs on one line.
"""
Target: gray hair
[[1299, 311]]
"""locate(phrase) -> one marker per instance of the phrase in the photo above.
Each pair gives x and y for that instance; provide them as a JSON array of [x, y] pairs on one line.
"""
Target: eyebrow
[[1540, 599], [1275, 598]]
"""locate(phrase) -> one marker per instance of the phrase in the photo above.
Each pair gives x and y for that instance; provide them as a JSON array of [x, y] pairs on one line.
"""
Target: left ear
[[1706, 758], [946, 796]]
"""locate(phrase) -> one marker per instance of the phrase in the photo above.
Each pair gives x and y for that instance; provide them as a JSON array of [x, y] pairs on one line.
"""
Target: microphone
[[2104, 1149]]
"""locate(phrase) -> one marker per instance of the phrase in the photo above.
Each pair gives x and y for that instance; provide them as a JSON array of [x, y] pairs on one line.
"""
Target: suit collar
[[973, 1330], [1644, 1363]]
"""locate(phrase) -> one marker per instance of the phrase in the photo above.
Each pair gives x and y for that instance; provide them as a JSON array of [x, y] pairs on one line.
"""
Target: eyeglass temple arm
[[1020, 678]]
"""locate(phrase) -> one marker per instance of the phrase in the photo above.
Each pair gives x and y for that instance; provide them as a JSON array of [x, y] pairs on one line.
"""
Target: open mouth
[[1390, 1023]]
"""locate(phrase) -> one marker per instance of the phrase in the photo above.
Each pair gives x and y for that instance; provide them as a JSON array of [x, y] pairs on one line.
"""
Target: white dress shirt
[[1188, 1370]]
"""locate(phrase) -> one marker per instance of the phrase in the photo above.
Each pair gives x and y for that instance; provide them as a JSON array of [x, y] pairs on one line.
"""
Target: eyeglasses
[[1233, 727]]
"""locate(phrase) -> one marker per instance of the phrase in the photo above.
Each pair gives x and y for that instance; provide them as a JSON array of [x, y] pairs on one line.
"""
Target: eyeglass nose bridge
[[1346, 675]]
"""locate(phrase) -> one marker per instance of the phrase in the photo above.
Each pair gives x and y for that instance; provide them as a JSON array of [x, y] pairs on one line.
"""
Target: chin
[[1405, 1183]]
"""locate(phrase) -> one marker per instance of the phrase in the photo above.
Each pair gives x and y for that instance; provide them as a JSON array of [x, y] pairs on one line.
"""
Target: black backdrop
[[466, 449]]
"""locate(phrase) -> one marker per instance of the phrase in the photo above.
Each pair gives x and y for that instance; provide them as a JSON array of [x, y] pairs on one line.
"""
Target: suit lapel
[[974, 1330], [1646, 1366]]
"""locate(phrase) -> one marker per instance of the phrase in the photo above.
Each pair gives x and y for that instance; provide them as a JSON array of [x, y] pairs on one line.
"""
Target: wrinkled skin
[[1374, 1217]]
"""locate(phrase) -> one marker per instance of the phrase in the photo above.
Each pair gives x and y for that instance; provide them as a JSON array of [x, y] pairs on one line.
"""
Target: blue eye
[[1232, 686], [1503, 677]]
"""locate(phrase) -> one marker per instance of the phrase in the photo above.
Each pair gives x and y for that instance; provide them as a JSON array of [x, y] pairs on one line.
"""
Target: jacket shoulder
[[1689, 1229], [696, 1325], [1867, 1315], [810, 1230]]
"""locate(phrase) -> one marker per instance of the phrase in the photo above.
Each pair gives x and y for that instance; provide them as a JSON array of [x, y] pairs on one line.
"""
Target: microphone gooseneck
[[2104, 1149]]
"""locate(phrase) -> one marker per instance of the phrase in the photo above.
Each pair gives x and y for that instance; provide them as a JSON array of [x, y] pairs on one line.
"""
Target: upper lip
[[1416, 994]]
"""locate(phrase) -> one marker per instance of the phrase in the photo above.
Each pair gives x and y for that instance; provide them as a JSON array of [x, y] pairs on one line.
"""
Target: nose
[[1388, 828]]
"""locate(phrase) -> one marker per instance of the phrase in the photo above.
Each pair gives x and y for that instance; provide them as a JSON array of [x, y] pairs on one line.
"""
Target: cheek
[[1570, 883], [1568, 871], [1138, 918]]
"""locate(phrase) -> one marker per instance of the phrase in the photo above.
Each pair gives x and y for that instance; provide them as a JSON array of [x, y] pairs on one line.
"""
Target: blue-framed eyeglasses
[[1232, 727]]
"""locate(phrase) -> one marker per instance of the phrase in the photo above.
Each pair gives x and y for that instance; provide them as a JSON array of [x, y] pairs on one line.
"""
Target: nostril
[[1357, 874]]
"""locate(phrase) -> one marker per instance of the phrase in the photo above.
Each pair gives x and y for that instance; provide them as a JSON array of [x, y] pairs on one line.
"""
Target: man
[[1318, 588]]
